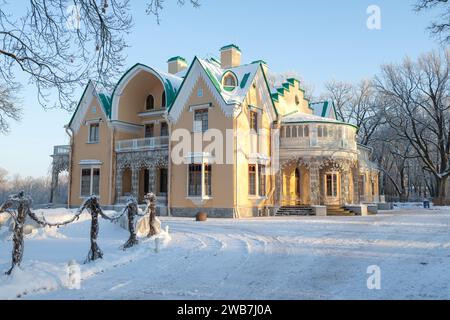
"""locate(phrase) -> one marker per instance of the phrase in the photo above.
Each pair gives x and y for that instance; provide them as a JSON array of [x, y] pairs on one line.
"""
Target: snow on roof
[[244, 74], [304, 117]]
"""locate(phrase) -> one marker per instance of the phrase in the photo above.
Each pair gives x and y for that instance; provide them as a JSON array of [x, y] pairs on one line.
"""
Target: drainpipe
[[236, 202], [111, 166], [169, 166], [69, 132]]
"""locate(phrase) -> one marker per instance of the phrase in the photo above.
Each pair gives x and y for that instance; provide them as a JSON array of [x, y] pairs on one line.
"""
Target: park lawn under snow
[[267, 258]]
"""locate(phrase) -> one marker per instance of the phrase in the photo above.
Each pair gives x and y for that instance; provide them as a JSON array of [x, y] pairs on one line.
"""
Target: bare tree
[[340, 93], [357, 104], [418, 109], [3, 176], [62, 44], [156, 6], [441, 27], [9, 106]]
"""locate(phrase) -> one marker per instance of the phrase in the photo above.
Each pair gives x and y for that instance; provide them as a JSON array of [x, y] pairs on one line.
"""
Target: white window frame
[[203, 160], [90, 124], [91, 168]]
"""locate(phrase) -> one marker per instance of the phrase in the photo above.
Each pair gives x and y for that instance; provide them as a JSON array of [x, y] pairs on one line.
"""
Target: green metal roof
[[176, 59]]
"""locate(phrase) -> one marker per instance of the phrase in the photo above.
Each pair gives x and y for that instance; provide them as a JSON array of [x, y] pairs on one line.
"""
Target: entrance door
[[331, 185]]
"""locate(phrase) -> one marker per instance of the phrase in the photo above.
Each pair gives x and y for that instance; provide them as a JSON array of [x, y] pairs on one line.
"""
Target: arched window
[[150, 103], [229, 81], [163, 99], [297, 100]]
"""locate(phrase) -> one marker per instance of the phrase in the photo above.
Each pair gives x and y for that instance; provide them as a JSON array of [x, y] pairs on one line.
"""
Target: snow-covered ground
[[267, 258]]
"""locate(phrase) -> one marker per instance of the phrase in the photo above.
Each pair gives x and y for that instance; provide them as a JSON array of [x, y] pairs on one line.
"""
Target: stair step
[[295, 211]]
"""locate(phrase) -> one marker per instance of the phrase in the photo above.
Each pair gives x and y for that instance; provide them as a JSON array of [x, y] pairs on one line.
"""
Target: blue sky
[[319, 40]]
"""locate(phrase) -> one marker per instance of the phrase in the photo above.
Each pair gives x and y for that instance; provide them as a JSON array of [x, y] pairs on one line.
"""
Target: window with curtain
[[262, 180], [86, 182], [90, 182], [201, 120], [94, 132], [252, 180], [254, 121], [195, 180], [208, 188]]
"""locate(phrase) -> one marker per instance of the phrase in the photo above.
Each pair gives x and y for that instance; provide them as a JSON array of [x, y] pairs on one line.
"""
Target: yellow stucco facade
[[217, 137]]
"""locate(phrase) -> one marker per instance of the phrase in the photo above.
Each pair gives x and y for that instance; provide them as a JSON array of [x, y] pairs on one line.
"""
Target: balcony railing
[[307, 137], [142, 144], [61, 150]]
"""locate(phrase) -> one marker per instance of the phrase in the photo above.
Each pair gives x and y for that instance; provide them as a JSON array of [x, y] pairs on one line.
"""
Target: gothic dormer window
[[229, 81]]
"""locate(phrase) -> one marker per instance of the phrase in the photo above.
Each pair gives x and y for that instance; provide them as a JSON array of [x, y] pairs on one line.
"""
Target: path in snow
[[277, 258]]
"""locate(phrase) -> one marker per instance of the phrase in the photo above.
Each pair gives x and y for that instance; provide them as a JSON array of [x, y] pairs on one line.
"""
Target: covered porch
[[142, 167], [318, 181]]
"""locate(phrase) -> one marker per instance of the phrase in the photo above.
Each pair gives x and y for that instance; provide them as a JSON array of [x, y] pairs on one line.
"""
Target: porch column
[[152, 179], [134, 181], [346, 186], [119, 178], [356, 185], [314, 183]]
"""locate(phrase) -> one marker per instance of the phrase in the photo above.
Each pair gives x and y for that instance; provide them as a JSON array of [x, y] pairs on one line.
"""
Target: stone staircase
[[338, 210], [295, 211]]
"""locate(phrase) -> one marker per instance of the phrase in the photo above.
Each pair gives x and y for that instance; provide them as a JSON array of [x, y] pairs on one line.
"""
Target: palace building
[[213, 136]]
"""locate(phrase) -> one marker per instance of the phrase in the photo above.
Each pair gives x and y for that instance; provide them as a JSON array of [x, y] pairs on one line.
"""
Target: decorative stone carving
[[143, 159], [137, 160]]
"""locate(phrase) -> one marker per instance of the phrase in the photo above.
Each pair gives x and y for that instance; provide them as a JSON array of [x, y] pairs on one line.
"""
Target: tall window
[[195, 180], [331, 185], [322, 131], [149, 130], [164, 129], [163, 100], [252, 180], [262, 180], [208, 188], [150, 103], [201, 120], [163, 177], [254, 121], [297, 182], [94, 133], [90, 182], [196, 184]]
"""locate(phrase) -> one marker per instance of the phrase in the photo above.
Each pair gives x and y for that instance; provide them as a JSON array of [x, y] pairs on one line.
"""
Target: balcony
[[145, 144], [316, 139], [61, 150]]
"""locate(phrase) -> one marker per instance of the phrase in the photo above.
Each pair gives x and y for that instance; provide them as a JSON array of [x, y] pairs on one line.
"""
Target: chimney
[[230, 56], [176, 64]]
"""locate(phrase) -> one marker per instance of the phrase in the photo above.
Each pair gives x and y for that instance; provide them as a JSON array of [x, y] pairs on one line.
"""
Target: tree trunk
[[17, 252], [441, 191], [95, 252], [132, 210]]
